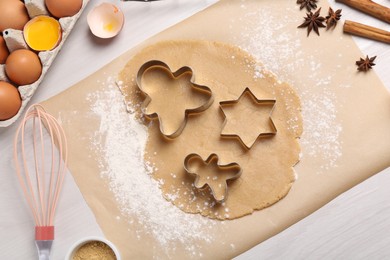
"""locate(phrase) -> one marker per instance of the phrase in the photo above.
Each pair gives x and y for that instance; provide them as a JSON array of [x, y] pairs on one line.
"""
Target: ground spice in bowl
[[94, 250]]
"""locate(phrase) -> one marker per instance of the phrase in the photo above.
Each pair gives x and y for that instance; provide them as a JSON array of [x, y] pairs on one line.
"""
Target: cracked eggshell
[[42, 33], [105, 20]]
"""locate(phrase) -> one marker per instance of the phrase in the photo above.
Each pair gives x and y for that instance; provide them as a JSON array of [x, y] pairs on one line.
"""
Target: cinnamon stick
[[366, 31], [369, 7]]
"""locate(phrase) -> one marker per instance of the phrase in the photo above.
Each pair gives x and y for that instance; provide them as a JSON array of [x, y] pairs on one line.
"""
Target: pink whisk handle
[[44, 233], [44, 236]]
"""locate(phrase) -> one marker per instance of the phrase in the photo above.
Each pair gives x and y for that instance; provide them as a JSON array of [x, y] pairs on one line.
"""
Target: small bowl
[[105, 20], [86, 240]]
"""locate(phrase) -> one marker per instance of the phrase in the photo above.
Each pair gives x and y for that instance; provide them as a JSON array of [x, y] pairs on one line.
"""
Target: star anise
[[332, 18], [365, 64], [313, 21], [309, 4]]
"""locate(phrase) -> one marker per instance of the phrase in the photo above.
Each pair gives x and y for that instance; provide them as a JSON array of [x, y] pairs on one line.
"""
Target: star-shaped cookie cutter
[[212, 160], [259, 102], [153, 64]]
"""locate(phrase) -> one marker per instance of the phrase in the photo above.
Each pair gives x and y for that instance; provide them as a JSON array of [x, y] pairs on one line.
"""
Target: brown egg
[[10, 101], [23, 67], [3, 50], [63, 8], [13, 15]]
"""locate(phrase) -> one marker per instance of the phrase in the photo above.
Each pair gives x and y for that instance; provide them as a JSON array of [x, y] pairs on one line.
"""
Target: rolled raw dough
[[267, 168]]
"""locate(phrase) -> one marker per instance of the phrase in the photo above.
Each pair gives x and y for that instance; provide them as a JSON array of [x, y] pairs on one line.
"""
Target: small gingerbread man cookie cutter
[[156, 64], [271, 133], [217, 184]]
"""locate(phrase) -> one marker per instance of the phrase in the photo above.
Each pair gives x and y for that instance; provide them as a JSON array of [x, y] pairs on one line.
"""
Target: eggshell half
[[42, 33], [105, 20]]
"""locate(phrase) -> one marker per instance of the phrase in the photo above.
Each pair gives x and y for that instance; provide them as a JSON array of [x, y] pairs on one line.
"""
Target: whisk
[[42, 188]]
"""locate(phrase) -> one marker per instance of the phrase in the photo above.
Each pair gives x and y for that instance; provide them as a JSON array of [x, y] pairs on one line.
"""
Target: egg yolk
[[42, 33], [110, 26]]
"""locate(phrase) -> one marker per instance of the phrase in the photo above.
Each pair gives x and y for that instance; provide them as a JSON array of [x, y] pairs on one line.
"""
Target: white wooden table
[[356, 225]]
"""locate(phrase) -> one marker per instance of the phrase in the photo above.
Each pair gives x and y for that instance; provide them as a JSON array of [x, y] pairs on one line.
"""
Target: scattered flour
[[122, 139], [139, 196], [321, 127]]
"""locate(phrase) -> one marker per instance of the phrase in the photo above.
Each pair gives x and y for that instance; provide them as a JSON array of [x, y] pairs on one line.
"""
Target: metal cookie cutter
[[211, 174], [161, 66], [268, 102]]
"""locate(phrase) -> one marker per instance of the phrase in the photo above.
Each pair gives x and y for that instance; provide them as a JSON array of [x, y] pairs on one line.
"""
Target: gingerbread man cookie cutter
[[156, 65], [270, 102], [215, 180]]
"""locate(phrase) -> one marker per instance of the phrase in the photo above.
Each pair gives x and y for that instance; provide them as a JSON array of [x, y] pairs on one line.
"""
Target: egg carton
[[15, 40]]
